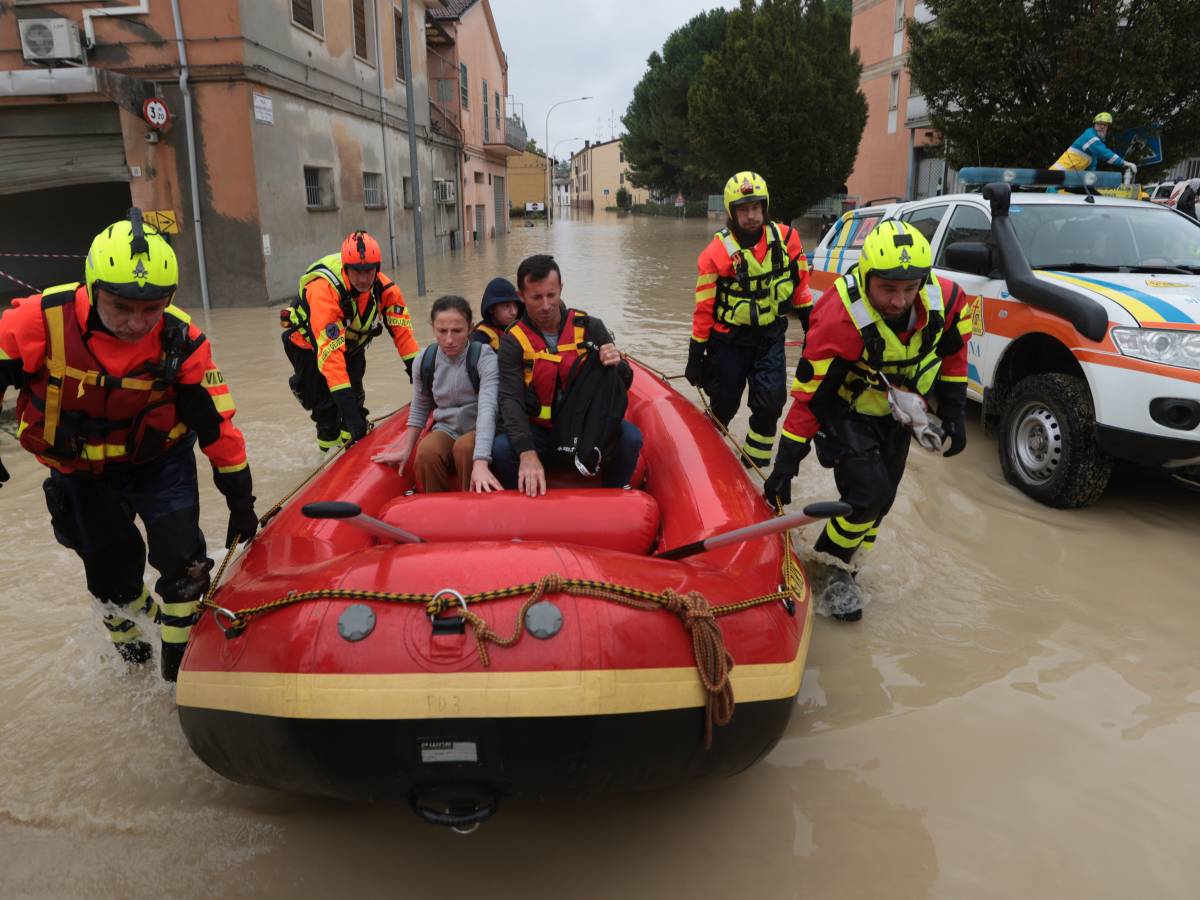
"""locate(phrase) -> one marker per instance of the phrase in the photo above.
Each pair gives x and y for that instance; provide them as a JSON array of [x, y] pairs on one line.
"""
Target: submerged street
[[1015, 715]]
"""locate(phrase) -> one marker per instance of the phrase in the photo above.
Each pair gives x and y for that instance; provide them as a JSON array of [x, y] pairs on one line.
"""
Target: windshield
[[1106, 238]]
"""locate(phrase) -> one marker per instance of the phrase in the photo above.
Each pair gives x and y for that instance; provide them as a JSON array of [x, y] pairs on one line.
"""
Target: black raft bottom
[[387, 761]]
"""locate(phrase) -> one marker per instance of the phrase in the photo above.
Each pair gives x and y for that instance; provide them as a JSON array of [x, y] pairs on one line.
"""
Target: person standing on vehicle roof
[[344, 302], [751, 274], [116, 385], [886, 321], [500, 308], [1089, 150]]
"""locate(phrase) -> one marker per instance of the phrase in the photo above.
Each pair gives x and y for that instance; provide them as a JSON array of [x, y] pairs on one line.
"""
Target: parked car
[[1160, 192], [1086, 327]]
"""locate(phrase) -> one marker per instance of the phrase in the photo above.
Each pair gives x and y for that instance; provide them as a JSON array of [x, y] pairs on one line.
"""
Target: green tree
[[531, 146], [624, 199], [781, 97], [657, 141], [1013, 82]]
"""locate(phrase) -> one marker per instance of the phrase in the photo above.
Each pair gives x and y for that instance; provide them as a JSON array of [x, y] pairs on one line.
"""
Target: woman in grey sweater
[[458, 450]]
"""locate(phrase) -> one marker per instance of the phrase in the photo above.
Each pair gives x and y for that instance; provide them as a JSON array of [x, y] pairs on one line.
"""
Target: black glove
[[238, 489], [4, 476], [778, 489], [408, 364], [952, 408], [352, 417], [955, 431], [694, 373], [243, 523]]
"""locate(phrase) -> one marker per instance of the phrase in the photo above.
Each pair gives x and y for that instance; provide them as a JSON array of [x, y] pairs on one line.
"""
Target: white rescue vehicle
[[1086, 324]]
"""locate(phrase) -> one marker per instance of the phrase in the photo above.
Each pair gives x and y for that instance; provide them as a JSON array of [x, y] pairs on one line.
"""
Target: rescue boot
[[835, 589], [136, 653], [329, 438], [172, 656]]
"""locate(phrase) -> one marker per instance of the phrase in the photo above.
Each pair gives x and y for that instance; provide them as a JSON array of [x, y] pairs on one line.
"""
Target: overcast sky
[[559, 49]]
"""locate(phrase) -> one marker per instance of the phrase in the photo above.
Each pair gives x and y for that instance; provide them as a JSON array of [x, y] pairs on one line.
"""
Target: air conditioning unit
[[47, 40], [443, 190]]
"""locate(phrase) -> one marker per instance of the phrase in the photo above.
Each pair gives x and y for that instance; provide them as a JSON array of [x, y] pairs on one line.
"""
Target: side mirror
[[970, 256]]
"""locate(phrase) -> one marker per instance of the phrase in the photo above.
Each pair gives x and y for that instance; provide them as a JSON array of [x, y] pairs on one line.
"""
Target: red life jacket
[[75, 417], [546, 373]]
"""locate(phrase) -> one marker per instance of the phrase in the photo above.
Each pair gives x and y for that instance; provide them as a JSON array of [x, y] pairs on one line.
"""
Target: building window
[[407, 189], [621, 178], [318, 187], [894, 91], [398, 25], [464, 87], [478, 178], [899, 15], [364, 30], [308, 15], [486, 120], [497, 110], [372, 190]]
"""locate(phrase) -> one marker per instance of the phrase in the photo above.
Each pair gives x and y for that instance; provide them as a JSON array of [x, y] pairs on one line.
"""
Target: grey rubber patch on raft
[[356, 622], [544, 620]]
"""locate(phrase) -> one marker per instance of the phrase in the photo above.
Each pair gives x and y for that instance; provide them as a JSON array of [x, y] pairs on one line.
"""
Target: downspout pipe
[[197, 225], [387, 168], [413, 166]]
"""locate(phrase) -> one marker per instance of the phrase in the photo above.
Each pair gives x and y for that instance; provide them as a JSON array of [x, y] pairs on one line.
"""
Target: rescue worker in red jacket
[[344, 302], [886, 321], [751, 275], [116, 388]]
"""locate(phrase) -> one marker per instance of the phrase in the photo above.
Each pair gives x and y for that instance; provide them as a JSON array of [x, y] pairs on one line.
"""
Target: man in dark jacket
[[539, 355]]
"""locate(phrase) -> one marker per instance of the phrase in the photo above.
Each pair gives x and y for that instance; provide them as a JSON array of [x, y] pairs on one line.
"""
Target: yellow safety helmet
[[132, 260], [895, 250], [744, 187], [1102, 118]]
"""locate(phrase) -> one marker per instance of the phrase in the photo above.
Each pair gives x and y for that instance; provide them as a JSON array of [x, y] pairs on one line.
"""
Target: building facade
[[300, 134], [899, 155], [598, 171], [526, 180], [470, 73]]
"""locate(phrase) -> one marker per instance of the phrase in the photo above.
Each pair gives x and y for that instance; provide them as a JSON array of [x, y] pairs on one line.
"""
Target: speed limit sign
[[156, 114]]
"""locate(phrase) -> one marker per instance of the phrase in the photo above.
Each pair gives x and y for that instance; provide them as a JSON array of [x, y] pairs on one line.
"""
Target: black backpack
[[429, 363], [587, 421]]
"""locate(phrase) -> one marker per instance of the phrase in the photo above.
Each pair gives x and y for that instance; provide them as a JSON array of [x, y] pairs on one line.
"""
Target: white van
[[1091, 357]]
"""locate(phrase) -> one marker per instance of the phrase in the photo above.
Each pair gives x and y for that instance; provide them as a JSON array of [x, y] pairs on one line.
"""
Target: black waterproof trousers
[[310, 388], [868, 455], [751, 357]]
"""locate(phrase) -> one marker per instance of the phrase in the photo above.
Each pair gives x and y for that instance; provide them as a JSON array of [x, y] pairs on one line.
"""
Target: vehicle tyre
[[1047, 443]]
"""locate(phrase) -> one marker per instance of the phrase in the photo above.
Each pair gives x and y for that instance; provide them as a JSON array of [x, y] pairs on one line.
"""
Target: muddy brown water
[[1015, 716]]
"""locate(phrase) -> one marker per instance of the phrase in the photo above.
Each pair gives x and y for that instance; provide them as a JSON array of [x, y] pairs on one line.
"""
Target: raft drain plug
[[543, 620], [356, 622]]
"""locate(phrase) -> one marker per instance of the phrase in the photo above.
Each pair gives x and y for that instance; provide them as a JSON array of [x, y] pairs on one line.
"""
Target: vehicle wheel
[[1047, 447]]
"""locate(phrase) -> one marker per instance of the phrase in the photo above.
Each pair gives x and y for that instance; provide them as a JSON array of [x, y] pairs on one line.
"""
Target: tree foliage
[[657, 142], [1014, 82], [781, 97]]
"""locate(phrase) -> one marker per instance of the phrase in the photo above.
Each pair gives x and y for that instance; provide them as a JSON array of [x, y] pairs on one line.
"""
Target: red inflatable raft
[[353, 666]]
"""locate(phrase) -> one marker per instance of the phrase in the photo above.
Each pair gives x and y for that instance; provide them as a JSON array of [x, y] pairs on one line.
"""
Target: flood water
[[1016, 715]]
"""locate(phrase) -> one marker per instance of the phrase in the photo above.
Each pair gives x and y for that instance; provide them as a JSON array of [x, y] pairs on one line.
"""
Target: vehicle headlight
[[1171, 348]]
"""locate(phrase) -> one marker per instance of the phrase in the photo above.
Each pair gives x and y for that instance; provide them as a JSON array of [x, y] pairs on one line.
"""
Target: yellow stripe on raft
[[471, 695]]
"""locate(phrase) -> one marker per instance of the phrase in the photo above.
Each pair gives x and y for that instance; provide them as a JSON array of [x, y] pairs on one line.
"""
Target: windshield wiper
[[1079, 267], [1179, 269]]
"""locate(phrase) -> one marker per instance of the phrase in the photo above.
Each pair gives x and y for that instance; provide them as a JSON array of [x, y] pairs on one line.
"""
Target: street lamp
[[549, 186]]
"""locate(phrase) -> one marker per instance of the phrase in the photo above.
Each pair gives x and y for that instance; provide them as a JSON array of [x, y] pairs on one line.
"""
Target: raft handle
[[462, 601], [462, 808], [235, 626]]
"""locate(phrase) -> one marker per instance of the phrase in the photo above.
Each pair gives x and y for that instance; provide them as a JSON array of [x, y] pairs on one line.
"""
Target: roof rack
[[974, 178]]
